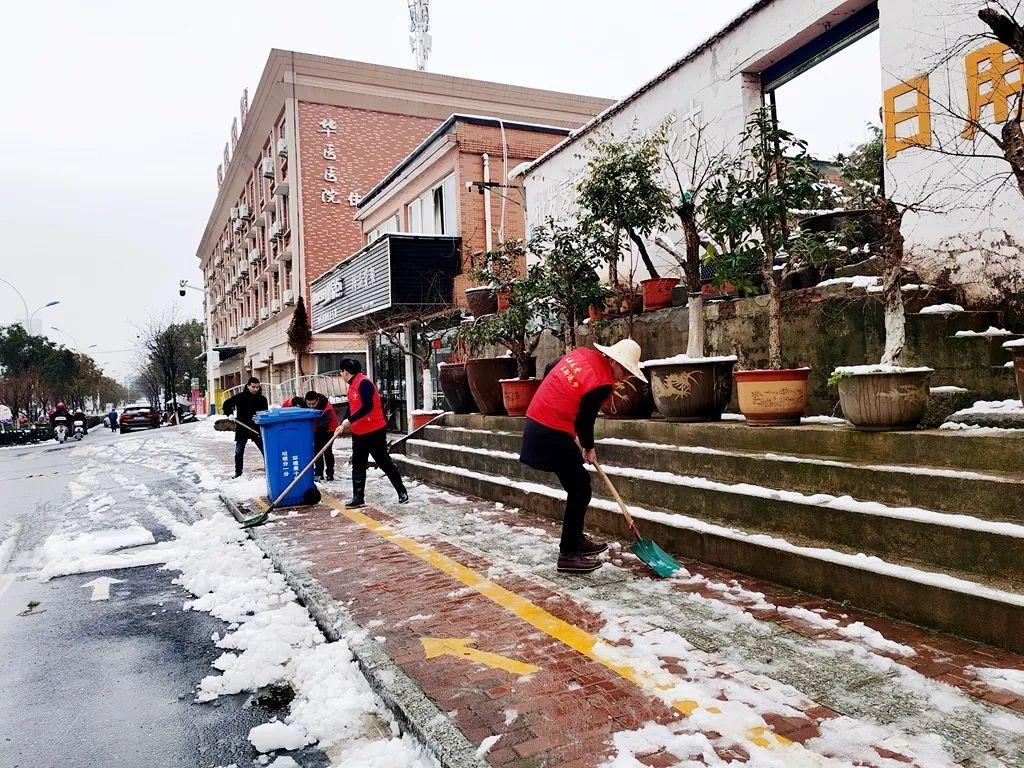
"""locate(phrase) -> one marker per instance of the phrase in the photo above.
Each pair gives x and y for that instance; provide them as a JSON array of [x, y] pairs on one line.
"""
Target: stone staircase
[[925, 526]]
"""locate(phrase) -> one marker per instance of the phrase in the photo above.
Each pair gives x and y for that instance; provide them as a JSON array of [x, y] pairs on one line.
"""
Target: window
[[329, 361], [391, 225], [433, 213]]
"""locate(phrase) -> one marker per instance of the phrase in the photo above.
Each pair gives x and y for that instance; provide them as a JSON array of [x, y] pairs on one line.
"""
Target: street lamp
[[73, 339], [211, 356], [28, 315]]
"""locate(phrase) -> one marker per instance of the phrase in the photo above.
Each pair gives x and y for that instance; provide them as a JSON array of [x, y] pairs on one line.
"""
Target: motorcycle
[[60, 429], [79, 429]]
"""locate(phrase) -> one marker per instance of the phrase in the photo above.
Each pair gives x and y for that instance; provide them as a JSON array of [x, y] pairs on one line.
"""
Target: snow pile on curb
[[1011, 680]]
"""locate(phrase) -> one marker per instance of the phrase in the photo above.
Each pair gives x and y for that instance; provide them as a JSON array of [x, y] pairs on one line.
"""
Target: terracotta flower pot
[[880, 402], [481, 301], [694, 390], [595, 313], [503, 299], [485, 375], [772, 398], [658, 292], [455, 385], [630, 399], [420, 418], [1018, 366], [517, 394]]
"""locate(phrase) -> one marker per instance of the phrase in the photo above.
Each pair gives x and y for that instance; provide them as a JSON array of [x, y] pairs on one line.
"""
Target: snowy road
[[138, 626]]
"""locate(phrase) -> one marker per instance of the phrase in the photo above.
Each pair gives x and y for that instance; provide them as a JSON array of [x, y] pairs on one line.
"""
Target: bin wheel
[[312, 496]]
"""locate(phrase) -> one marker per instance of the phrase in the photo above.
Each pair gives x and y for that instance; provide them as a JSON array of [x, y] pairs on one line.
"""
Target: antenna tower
[[419, 14]]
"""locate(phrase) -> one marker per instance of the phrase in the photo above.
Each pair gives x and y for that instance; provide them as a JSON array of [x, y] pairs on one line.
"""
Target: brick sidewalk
[[448, 567]]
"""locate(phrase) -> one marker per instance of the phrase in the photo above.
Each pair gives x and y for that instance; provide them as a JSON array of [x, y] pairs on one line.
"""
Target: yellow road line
[[574, 637]]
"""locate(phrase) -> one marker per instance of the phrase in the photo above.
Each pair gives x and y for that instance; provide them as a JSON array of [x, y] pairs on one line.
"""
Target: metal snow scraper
[[660, 561]]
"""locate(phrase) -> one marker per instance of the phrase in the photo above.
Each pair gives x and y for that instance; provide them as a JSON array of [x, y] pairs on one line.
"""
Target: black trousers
[[549, 450], [319, 441], [241, 438], [373, 444]]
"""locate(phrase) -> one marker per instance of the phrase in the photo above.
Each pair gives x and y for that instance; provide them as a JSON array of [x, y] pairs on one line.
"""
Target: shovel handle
[[618, 499], [240, 424], [304, 471]]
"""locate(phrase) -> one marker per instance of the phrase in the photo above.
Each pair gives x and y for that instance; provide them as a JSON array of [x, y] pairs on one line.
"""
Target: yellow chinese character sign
[[920, 134], [993, 79]]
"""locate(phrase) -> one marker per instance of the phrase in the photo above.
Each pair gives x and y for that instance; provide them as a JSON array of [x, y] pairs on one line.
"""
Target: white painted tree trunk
[[895, 317], [695, 330], [428, 390]]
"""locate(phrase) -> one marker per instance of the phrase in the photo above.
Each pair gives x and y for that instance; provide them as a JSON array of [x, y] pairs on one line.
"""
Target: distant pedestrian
[[112, 419], [245, 405], [365, 416], [560, 423], [323, 430]]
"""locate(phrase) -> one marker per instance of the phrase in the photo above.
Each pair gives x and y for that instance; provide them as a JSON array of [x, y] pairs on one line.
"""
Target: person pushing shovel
[[560, 424], [365, 417], [245, 405]]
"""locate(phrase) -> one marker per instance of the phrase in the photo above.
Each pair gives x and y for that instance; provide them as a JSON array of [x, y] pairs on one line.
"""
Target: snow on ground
[[941, 309], [1011, 680], [994, 406], [990, 331], [270, 638]]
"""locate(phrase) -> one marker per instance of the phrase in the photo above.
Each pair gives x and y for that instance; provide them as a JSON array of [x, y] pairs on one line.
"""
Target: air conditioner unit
[[275, 306], [239, 225], [234, 213], [226, 247], [282, 148], [247, 323], [267, 168], [276, 230], [254, 255], [289, 298], [234, 331], [264, 313], [243, 268], [218, 260], [245, 212]]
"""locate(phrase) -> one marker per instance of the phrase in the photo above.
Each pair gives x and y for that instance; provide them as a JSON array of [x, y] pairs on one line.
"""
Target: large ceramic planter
[[772, 398], [1016, 349], [630, 399], [884, 401], [485, 375], [481, 301], [503, 297], [517, 394], [698, 389], [658, 292], [422, 418], [455, 385]]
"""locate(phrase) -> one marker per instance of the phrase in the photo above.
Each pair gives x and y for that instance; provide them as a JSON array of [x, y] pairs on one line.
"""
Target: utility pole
[[419, 14]]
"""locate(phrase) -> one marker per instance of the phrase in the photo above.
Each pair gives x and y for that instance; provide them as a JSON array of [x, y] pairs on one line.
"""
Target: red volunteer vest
[[557, 402], [372, 421]]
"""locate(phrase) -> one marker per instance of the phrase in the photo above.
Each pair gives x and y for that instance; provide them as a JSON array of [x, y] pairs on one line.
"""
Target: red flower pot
[[658, 292], [517, 394], [503, 299], [772, 398], [421, 418]]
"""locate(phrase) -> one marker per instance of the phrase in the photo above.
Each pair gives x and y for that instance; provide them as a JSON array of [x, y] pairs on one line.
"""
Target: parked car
[[139, 417]]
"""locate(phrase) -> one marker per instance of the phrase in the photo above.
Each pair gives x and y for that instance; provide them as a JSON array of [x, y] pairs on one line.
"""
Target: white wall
[[969, 244], [973, 237]]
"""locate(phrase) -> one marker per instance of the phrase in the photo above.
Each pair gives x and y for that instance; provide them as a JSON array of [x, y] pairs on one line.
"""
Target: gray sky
[[117, 113]]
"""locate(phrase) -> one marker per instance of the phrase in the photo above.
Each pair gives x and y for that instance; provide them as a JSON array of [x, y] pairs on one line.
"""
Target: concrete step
[[985, 549], [922, 329], [985, 495], [996, 382], [934, 598], [929, 448], [961, 352]]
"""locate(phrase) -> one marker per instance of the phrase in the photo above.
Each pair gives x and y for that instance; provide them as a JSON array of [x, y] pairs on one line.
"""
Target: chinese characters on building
[[993, 78], [330, 194]]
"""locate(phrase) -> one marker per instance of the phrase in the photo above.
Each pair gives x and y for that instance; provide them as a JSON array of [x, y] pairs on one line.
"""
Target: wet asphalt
[[108, 682]]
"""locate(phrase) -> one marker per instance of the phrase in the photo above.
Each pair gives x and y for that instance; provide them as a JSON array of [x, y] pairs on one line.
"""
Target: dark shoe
[[238, 475], [330, 478], [318, 478], [577, 564], [353, 503], [403, 496], [589, 547]]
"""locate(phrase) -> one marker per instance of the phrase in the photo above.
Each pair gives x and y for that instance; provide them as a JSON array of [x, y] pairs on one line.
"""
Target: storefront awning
[[397, 274]]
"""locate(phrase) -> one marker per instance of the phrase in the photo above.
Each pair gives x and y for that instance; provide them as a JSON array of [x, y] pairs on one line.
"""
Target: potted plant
[[746, 209], [887, 396], [690, 387], [622, 191], [452, 377]]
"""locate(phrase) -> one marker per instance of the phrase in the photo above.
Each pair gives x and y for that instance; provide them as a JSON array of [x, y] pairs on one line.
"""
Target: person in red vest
[[560, 424], [365, 417], [324, 428]]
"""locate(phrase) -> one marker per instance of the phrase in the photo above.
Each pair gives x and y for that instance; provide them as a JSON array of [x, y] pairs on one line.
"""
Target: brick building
[[422, 225], [320, 133]]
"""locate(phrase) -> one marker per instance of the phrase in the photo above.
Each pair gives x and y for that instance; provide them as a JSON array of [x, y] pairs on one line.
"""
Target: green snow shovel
[[659, 560], [312, 495]]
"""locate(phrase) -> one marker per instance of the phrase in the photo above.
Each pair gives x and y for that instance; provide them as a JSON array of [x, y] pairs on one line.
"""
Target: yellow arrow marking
[[576, 638], [460, 646]]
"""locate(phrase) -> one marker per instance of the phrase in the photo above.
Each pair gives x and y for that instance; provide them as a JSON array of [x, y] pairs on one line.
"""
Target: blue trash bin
[[287, 449]]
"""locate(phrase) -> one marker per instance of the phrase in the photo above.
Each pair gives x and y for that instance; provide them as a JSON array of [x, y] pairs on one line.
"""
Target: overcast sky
[[117, 113]]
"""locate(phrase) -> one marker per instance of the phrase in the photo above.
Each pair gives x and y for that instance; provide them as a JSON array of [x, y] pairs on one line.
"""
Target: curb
[[415, 713]]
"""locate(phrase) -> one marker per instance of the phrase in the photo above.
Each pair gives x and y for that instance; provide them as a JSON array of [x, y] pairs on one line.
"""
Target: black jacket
[[245, 405]]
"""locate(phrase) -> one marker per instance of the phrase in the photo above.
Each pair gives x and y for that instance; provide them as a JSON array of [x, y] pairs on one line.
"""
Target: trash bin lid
[[278, 415]]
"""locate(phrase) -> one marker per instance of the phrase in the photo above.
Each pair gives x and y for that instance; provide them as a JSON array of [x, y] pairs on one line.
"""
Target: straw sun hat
[[626, 353]]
